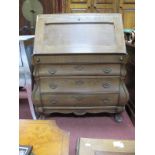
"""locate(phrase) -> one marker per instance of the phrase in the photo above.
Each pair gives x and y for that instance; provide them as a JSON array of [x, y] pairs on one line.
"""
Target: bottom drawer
[[79, 99]]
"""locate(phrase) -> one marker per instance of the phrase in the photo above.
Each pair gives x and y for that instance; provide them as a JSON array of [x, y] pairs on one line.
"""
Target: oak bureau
[[79, 64]]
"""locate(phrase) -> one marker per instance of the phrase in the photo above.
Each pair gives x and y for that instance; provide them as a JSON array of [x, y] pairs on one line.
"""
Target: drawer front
[[80, 100], [70, 59], [79, 84], [78, 69]]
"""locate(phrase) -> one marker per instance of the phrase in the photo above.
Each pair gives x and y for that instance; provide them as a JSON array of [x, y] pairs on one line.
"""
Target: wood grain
[[77, 59], [105, 147], [127, 9], [70, 33], [45, 137]]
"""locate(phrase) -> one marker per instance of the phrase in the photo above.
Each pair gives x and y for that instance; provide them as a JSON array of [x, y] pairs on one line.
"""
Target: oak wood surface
[[70, 33], [78, 69], [79, 58], [79, 84], [105, 147], [85, 6], [45, 137], [71, 55], [127, 9]]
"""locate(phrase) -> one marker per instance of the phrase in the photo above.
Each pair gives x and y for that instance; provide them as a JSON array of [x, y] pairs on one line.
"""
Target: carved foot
[[118, 118]]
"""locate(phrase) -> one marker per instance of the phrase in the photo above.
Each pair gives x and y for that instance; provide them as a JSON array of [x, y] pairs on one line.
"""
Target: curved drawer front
[[79, 84], [83, 58], [79, 69], [80, 100]]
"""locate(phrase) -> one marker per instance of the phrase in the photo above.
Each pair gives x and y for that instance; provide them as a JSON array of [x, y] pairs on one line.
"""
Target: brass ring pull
[[51, 71], [53, 86], [79, 82], [106, 85], [107, 70], [78, 67]]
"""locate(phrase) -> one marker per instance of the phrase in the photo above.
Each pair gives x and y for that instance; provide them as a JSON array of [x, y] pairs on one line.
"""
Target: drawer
[[79, 84], [78, 69], [82, 58], [79, 99]]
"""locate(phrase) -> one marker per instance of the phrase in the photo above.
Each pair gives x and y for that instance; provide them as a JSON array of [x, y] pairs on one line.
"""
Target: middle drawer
[[76, 84], [78, 69]]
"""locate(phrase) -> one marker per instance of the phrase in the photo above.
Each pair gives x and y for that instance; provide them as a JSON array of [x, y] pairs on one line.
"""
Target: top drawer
[[80, 69], [84, 58]]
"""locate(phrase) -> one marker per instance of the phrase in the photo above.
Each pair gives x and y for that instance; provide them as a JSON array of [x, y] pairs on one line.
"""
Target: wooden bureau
[[79, 64]]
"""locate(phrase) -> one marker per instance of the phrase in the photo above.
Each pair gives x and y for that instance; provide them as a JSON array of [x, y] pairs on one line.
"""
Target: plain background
[[145, 77]]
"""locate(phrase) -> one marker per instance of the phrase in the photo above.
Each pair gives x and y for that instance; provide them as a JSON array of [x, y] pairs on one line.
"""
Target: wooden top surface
[[105, 147], [90, 33], [45, 137]]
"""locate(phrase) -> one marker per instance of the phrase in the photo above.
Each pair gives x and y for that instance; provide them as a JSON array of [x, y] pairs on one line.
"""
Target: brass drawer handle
[[121, 58], [53, 101], [106, 85], [37, 60], [79, 82], [107, 70], [51, 71], [78, 98], [53, 86], [78, 67], [105, 100]]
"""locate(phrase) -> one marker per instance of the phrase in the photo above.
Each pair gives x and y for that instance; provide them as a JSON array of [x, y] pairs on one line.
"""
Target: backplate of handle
[[106, 85], [53, 86], [107, 70], [51, 71]]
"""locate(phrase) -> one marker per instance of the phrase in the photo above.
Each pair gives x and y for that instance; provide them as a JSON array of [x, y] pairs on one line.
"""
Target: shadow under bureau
[[79, 64]]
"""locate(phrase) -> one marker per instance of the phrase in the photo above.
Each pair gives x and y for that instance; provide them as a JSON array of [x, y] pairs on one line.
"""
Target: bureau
[[79, 64]]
